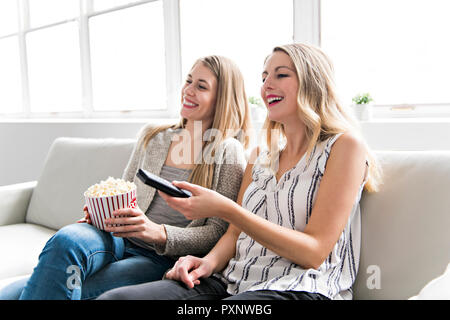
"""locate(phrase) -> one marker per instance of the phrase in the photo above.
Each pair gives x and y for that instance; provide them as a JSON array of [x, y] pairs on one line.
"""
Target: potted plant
[[362, 106], [257, 109]]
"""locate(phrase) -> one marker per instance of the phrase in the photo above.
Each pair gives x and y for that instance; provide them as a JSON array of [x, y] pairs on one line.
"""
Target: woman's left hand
[[203, 203], [132, 222]]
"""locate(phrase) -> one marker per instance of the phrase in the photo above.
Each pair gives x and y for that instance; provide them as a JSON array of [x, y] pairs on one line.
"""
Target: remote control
[[161, 184]]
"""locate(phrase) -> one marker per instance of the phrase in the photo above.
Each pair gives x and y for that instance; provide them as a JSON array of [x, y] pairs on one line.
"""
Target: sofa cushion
[[436, 289], [404, 233], [72, 165], [20, 246]]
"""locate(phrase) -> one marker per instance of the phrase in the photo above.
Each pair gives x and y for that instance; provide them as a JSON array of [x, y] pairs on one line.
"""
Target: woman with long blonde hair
[[231, 118], [318, 107], [206, 147], [295, 230]]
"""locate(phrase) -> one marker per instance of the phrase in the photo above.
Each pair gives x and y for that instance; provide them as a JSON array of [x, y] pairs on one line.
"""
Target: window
[[396, 50], [8, 17], [10, 80], [100, 5], [54, 69], [127, 58], [116, 58], [85, 58], [11, 95], [96, 58], [45, 12], [244, 31]]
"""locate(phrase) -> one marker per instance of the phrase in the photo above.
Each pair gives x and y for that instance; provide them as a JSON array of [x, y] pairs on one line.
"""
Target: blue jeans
[[82, 262]]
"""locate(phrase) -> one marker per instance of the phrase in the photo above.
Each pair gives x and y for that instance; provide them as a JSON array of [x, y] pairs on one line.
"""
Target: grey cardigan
[[199, 236]]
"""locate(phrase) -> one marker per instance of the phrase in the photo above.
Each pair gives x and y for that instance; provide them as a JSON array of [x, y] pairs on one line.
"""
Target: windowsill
[[408, 120], [87, 121], [374, 121]]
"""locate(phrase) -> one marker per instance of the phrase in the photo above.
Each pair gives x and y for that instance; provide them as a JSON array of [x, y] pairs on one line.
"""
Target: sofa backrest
[[72, 165], [405, 226]]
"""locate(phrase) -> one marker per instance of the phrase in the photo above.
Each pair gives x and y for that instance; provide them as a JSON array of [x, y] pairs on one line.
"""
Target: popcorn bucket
[[101, 208]]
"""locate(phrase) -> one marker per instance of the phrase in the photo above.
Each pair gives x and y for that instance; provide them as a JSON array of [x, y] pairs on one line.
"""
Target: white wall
[[408, 134], [24, 144]]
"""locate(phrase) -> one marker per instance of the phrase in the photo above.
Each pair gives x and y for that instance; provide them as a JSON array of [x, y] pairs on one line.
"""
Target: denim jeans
[[82, 262]]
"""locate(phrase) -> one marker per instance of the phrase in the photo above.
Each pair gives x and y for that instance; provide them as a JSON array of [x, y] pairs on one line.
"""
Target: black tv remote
[[162, 184]]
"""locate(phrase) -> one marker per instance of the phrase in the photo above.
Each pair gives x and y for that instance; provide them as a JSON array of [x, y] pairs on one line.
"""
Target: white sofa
[[405, 227]]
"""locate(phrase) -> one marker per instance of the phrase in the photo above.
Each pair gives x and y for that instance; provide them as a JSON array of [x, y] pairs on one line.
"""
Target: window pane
[[128, 64], [244, 31], [54, 69], [10, 86], [43, 12], [8, 17], [396, 50], [100, 5]]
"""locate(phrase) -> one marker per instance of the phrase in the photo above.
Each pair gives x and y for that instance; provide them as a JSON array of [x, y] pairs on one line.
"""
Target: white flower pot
[[363, 112]]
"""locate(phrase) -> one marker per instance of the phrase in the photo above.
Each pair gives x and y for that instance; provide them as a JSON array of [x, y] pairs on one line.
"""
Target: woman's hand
[[203, 203], [132, 222], [87, 217], [189, 270]]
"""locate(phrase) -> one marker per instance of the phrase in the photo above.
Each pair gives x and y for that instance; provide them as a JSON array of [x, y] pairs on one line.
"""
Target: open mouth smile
[[273, 99], [189, 104]]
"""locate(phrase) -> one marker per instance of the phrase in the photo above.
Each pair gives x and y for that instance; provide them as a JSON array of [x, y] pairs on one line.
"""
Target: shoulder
[[229, 157], [148, 127], [232, 145], [158, 133], [232, 150], [348, 154], [348, 144], [339, 150]]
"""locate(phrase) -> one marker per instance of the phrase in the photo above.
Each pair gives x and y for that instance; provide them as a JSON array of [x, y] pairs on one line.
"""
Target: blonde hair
[[318, 107], [231, 115]]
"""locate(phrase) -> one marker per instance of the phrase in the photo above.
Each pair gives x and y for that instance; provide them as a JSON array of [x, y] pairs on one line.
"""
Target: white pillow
[[436, 289], [73, 165]]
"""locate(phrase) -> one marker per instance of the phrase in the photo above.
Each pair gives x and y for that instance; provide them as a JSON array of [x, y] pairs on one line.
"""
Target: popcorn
[[103, 198], [110, 187]]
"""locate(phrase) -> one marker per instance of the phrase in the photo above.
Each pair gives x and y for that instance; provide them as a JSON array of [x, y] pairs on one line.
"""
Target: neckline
[[172, 167], [282, 178]]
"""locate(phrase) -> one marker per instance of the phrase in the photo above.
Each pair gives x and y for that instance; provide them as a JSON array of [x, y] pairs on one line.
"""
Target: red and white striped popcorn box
[[101, 208]]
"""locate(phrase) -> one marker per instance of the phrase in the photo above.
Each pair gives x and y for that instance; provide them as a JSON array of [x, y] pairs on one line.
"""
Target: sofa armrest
[[14, 200]]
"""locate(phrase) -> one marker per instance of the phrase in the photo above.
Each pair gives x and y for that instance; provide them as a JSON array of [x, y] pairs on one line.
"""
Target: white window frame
[[306, 22], [172, 58], [307, 30]]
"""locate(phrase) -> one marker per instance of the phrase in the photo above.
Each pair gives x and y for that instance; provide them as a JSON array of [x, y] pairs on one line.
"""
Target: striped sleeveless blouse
[[289, 203]]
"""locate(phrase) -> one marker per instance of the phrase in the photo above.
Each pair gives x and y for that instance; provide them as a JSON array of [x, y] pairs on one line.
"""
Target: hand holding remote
[[204, 203], [161, 184]]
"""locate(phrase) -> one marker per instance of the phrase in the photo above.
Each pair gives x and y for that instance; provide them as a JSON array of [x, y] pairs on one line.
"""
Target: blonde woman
[[81, 262], [295, 230]]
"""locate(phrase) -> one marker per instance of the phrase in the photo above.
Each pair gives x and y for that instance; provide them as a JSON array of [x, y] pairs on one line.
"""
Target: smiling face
[[280, 87], [199, 94]]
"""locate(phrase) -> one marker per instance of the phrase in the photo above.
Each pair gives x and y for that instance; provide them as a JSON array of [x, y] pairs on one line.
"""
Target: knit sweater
[[199, 236]]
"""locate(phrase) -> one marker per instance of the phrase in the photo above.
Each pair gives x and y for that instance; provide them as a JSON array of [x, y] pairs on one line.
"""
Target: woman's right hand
[[87, 217], [189, 270]]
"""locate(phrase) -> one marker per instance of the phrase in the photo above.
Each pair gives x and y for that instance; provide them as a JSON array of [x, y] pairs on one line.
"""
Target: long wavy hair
[[231, 117], [318, 108]]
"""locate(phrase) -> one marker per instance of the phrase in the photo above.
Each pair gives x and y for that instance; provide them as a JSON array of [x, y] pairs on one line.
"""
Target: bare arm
[[189, 269], [339, 187]]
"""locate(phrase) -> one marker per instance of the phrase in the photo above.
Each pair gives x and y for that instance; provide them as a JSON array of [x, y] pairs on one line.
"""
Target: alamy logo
[[374, 279], [74, 280]]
